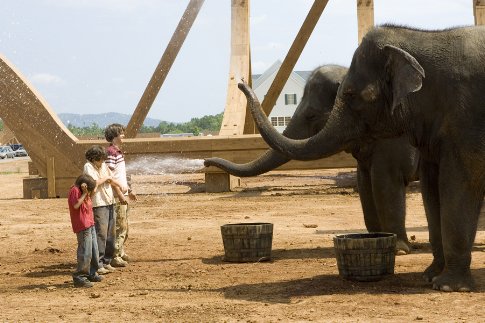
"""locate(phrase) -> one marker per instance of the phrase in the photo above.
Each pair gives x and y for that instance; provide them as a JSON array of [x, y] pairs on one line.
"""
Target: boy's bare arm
[[119, 190], [103, 179], [119, 194], [115, 184]]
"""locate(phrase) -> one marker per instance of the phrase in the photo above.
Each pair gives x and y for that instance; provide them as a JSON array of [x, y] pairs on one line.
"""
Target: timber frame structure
[[58, 156]]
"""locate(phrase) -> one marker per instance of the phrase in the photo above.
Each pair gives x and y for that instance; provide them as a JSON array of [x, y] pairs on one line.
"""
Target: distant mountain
[[102, 119]]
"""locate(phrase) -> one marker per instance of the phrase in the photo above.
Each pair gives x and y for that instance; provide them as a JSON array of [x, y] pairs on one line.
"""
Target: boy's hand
[[123, 201], [132, 196]]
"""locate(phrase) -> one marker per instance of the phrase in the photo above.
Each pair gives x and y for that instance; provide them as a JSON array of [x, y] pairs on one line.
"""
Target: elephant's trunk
[[327, 142], [270, 160]]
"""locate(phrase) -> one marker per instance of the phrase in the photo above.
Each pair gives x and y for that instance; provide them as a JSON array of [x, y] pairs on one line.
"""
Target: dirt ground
[[177, 272]]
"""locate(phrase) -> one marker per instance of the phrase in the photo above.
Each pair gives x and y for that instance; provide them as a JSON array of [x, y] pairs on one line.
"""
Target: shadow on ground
[[290, 291], [62, 269], [281, 254]]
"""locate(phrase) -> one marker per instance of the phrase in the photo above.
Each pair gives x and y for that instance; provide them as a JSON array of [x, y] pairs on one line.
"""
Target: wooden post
[[479, 12], [217, 180], [51, 177], [235, 109], [163, 68], [293, 54], [365, 17]]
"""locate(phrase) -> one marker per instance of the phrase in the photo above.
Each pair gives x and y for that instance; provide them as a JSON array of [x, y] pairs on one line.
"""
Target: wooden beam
[[479, 12], [235, 109], [35, 124], [7, 136], [249, 125], [365, 17], [239, 149], [51, 177], [293, 54], [163, 68]]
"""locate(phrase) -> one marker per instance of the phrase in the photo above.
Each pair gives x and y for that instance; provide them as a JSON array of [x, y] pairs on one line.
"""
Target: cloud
[[268, 47], [47, 79], [256, 20], [430, 14], [116, 5], [118, 79], [259, 67]]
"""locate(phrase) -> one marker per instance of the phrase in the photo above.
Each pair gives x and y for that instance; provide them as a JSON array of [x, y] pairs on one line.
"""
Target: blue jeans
[[87, 255], [104, 221]]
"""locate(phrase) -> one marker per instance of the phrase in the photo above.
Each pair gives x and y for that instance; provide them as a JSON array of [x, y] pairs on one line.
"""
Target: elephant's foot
[[433, 271], [453, 282], [402, 248]]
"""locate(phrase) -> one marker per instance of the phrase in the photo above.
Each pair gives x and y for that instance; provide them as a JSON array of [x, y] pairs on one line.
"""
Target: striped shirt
[[116, 163]]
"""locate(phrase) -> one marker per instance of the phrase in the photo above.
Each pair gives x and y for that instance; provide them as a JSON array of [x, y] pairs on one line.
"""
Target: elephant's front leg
[[460, 209], [371, 218], [389, 195]]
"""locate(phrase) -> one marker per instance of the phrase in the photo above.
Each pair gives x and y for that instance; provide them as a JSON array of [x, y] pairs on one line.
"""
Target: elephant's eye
[[350, 95], [352, 100], [311, 114], [310, 117]]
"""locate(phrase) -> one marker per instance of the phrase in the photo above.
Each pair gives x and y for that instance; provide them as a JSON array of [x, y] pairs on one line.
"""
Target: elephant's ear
[[404, 73]]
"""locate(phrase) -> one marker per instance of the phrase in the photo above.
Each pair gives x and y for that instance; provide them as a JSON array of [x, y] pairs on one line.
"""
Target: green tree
[[148, 129], [196, 126], [92, 131], [208, 123]]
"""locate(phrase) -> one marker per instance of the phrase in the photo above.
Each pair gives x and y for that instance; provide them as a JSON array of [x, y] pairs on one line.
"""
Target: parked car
[[16, 146], [21, 152], [6, 152]]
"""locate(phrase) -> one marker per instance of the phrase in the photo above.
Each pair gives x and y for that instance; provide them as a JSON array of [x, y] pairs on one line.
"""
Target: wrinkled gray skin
[[386, 94], [384, 167]]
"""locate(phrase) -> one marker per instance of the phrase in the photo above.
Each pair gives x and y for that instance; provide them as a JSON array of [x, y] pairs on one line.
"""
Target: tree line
[[197, 126]]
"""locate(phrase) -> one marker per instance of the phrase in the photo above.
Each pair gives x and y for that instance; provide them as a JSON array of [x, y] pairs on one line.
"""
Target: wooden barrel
[[247, 242], [365, 256]]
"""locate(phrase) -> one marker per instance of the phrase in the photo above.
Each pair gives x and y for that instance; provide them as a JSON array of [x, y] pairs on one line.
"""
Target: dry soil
[[177, 272]]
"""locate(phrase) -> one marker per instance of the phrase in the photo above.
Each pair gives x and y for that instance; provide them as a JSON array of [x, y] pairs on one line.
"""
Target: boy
[[82, 221], [114, 134], [103, 201]]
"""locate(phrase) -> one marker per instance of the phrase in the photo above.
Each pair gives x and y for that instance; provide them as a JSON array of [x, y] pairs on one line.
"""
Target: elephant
[[430, 87], [384, 167]]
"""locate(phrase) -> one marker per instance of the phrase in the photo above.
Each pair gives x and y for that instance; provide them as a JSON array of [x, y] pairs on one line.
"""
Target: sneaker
[[103, 271], [118, 262], [125, 257], [83, 283], [95, 278], [109, 268]]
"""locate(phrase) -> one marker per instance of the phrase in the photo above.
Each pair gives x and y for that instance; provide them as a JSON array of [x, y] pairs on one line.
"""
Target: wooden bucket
[[365, 256], [247, 242]]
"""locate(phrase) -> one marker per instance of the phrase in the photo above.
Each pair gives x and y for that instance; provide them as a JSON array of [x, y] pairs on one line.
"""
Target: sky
[[97, 56]]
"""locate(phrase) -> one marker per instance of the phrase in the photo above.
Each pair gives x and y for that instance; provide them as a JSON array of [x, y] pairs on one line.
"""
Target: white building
[[290, 95]]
